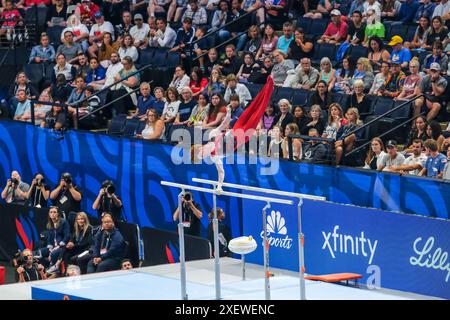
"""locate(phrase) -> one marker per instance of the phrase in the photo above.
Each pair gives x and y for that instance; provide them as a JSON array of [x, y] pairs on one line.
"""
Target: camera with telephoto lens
[[14, 182], [67, 178], [187, 197], [19, 260], [109, 187], [40, 182]]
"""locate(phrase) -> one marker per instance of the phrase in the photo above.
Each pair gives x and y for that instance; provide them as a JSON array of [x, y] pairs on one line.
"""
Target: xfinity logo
[[342, 243], [277, 231], [437, 260]]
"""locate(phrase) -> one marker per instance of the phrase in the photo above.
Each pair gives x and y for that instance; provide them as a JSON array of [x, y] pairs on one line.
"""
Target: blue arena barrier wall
[[137, 167], [391, 250]]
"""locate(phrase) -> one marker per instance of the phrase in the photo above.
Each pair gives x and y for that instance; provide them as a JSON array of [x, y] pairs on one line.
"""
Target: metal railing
[[365, 125]]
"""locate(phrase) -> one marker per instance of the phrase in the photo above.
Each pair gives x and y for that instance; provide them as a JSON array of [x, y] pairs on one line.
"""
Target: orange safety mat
[[335, 277]]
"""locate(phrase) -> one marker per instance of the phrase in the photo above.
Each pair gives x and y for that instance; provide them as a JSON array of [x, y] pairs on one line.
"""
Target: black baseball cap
[[391, 143]]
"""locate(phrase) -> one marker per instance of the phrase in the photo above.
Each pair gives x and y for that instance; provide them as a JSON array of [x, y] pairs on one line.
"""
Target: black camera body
[[14, 182], [187, 197], [40, 182], [20, 260], [67, 178], [109, 187]]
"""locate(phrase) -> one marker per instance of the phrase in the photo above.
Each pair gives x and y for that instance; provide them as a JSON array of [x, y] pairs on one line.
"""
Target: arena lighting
[[300, 196], [214, 192]]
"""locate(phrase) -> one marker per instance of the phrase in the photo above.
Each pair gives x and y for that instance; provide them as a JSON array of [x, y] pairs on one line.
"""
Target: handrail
[[109, 103], [363, 146], [225, 25], [383, 115], [114, 84]]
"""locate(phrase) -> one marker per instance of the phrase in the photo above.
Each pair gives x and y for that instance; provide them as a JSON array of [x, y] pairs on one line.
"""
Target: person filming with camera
[[66, 196], [108, 201], [39, 192], [15, 190], [28, 269], [191, 215]]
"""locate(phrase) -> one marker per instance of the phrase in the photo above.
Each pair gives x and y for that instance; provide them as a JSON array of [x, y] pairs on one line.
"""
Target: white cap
[[335, 12]]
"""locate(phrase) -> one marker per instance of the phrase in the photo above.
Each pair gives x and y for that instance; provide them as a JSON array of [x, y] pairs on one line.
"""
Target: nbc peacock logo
[[277, 232]]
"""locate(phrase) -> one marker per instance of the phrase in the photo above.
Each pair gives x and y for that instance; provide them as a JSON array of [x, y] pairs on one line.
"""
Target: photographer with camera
[[191, 215], [109, 247], [15, 190], [27, 268], [66, 196], [39, 192], [108, 201]]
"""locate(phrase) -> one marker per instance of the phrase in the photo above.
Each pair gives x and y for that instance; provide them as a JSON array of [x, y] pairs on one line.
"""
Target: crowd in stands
[[349, 56]]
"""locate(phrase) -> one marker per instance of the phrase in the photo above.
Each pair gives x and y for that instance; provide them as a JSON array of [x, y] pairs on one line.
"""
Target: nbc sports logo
[[276, 223], [277, 233]]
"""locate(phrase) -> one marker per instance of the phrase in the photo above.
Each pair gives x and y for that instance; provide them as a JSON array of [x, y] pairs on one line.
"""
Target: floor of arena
[[146, 284]]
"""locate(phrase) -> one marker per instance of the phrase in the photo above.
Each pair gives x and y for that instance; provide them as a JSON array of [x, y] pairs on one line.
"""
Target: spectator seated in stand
[[375, 154], [394, 82], [281, 67], [233, 87], [304, 76], [323, 9], [437, 56], [300, 47], [399, 53], [44, 52], [56, 118], [285, 40], [434, 166], [64, 68], [392, 158], [419, 40], [154, 126], [343, 138], [336, 31], [356, 29], [314, 151]]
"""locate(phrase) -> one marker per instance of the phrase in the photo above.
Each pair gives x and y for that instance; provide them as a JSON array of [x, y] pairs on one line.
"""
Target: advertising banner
[[391, 250]]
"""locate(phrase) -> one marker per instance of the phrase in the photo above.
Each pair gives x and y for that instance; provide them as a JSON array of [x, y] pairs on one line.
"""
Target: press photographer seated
[[27, 268], [108, 248], [66, 196], [39, 192], [108, 201], [191, 215]]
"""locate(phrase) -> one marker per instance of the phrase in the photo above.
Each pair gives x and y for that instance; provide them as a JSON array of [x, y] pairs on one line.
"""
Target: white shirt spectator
[[139, 34], [179, 84], [387, 161], [131, 52], [199, 17], [241, 90], [441, 9], [104, 27], [111, 72], [375, 6], [446, 172], [379, 160], [412, 159], [164, 39], [76, 30]]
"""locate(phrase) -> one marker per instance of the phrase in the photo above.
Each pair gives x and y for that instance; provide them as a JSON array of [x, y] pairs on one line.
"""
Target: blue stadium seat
[[305, 24], [410, 33], [34, 72], [357, 52], [146, 56], [54, 35], [403, 113], [160, 57], [130, 127], [324, 50], [300, 97], [173, 59], [140, 127], [116, 126], [396, 29], [282, 93], [254, 88], [340, 98], [318, 27], [382, 105]]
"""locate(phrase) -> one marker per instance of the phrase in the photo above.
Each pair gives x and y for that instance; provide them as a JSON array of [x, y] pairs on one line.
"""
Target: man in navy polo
[[145, 102], [436, 161]]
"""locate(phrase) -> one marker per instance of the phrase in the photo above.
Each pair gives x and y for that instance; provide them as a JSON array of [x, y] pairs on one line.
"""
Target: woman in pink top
[[268, 43], [411, 84]]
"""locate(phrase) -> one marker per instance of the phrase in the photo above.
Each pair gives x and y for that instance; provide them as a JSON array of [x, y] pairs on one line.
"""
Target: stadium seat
[[160, 57], [318, 27], [305, 24], [324, 50], [357, 52], [116, 126], [33, 17], [340, 98], [54, 35], [34, 72], [410, 33], [146, 56], [282, 93], [300, 97], [254, 88], [396, 29], [140, 127], [173, 59], [382, 105], [130, 127]]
